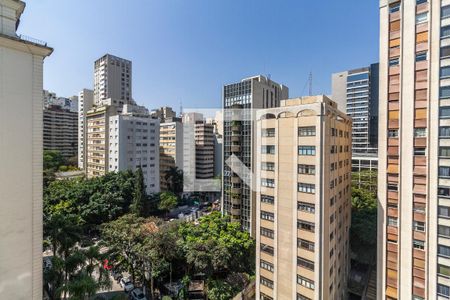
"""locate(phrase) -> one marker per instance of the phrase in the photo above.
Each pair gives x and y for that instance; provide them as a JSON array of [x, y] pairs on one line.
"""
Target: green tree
[[139, 196], [220, 290], [167, 201], [363, 231], [174, 178]]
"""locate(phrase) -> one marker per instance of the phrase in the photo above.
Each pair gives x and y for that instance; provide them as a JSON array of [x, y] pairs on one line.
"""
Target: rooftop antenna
[[310, 83], [181, 108]]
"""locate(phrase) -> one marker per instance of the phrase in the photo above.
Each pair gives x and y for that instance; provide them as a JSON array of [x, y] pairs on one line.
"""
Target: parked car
[[126, 284], [137, 294]]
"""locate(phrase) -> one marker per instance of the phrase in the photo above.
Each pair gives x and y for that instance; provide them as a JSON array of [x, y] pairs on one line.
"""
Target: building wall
[[61, 131], [412, 188], [240, 100], [170, 148], [296, 213], [21, 72], [134, 143], [85, 103]]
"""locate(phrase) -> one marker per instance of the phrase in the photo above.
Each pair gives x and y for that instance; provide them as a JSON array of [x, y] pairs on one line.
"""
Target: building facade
[[112, 80], [303, 197], [85, 103], [414, 157], [61, 131], [356, 92], [133, 144], [164, 114], [240, 100], [170, 149], [21, 103]]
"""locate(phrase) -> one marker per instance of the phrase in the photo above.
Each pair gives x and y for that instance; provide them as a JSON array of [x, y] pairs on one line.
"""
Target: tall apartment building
[[414, 156], [112, 80], [21, 128], [97, 140], [50, 99], [240, 100], [61, 131], [133, 144], [303, 200], [85, 103], [356, 92], [170, 148]]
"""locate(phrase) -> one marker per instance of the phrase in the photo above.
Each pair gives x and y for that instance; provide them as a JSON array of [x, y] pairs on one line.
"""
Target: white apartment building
[[21, 102], [112, 80], [134, 143], [85, 103]]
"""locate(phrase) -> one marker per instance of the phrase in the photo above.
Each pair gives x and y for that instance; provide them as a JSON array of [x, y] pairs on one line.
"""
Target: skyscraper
[[356, 92], [240, 99], [21, 103], [112, 81], [413, 185], [303, 200]]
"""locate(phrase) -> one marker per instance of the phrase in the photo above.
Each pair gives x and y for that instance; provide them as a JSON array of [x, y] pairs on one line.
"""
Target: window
[[306, 188], [394, 7], [305, 282], [444, 230], [419, 150], [443, 270], [444, 112], [394, 62], [421, 1], [444, 151], [444, 171], [419, 226], [445, 12], [265, 182], [267, 232], [307, 131], [445, 51], [266, 265], [306, 150], [268, 166], [267, 199], [445, 72], [419, 208], [307, 169], [421, 18], [392, 221], [305, 226], [444, 131], [444, 211], [443, 290], [393, 133], [306, 207], [444, 92], [268, 132], [267, 249], [301, 297], [445, 31], [268, 149], [392, 187], [268, 216], [304, 244], [417, 244], [420, 132], [305, 263], [443, 250], [264, 297], [422, 56], [266, 282]]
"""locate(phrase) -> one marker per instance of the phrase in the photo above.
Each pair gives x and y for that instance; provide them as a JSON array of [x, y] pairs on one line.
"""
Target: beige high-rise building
[[414, 150], [21, 144], [112, 80], [303, 200], [170, 149], [85, 103]]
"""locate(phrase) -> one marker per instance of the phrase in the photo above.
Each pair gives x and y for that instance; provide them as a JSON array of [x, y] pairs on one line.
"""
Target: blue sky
[[185, 50]]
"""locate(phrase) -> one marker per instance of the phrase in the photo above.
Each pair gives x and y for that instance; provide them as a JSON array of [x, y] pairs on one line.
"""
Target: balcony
[[235, 137], [236, 191], [235, 179], [235, 149], [235, 211]]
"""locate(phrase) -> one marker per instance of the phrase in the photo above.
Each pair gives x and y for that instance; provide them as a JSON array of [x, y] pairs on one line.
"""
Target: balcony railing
[[32, 40]]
